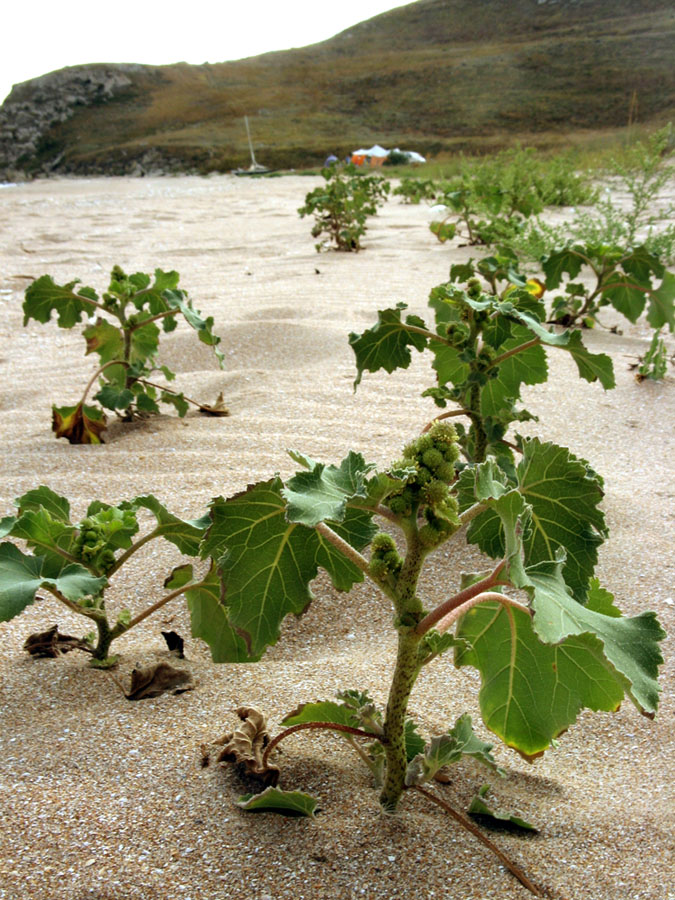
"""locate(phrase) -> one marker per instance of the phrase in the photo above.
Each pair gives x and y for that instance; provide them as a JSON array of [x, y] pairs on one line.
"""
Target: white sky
[[40, 36]]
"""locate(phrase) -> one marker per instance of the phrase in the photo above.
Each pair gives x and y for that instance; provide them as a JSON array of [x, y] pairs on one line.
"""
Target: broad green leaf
[[144, 342], [44, 533], [641, 264], [105, 340], [186, 534], [567, 261], [564, 494], [527, 367], [6, 525], [479, 808], [113, 396], [591, 366], [662, 304], [450, 369], [625, 296], [323, 492], [285, 803], [533, 691], [267, 563], [449, 748], [44, 296], [630, 645], [326, 711], [387, 344], [209, 616], [21, 576], [44, 498]]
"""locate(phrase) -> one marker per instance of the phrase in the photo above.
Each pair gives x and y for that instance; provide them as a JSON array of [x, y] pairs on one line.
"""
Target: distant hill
[[432, 76]]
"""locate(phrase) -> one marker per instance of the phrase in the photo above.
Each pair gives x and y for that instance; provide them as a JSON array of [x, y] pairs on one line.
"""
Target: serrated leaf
[[105, 340], [44, 296], [44, 533], [322, 493], [642, 264], [209, 617], [531, 691], [186, 534], [527, 367], [591, 366], [267, 563], [625, 296], [203, 327], [79, 424], [662, 304], [567, 261], [45, 498], [326, 711], [448, 365], [178, 401], [449, 748], [387, 344], [112, 396], [479, 808], [285, 803], [21, 576], [564, 495]]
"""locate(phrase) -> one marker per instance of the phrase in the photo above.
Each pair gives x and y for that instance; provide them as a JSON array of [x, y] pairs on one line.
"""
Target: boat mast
[[254, 164]]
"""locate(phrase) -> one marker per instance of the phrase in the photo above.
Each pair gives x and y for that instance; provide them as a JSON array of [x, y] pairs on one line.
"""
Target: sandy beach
[[104, 798]]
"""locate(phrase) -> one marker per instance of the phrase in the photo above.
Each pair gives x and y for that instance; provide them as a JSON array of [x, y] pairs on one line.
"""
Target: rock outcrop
[[34, 107]]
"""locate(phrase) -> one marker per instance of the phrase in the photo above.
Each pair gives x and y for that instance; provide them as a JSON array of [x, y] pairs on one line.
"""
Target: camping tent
[[374, 156]]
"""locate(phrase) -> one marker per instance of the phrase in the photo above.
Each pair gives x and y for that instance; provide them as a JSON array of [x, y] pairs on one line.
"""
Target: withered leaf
[[246, 745], [51, 643], [79, 424], [216, 409], [153, 680], [175, 643]]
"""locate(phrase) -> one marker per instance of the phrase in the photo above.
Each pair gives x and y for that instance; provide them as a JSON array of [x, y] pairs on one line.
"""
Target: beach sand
[[103, 798]]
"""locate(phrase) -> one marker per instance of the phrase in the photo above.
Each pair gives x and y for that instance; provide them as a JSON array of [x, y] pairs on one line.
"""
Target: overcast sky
[[40, 37]]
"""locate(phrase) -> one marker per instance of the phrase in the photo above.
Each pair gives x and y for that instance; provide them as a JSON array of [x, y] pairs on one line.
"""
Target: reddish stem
[[331, 726]]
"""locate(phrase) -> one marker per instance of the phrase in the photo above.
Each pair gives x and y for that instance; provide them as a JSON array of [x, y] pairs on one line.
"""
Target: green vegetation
[[76, 562], [342, 206], [125, 342]]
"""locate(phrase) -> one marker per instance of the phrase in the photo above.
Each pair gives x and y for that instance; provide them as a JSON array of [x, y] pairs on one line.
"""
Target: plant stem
[[326, 726], [346, 549], [452, 603], [450, 618], [515, 870], [159, 604], [112, 362], [446, 415], [151, 535], [526, 346]]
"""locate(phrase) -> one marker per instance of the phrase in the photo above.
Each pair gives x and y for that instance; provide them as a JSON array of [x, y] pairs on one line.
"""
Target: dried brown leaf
[[216, 409], [51, 643], [246, 745], [153, 680]]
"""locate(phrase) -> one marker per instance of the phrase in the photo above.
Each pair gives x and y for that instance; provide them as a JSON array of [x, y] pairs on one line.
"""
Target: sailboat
[[255, 168]]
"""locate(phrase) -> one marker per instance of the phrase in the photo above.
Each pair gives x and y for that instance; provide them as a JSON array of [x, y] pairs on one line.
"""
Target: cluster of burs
[[431, 461], [93, 544]]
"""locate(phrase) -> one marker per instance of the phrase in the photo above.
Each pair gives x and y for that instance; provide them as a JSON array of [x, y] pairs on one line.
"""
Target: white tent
[[377, 151]]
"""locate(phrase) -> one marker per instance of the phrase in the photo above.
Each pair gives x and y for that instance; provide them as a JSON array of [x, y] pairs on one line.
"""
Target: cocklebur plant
[[76, 562], [342, 206], [485, 347], [122, 329], [545, 637]]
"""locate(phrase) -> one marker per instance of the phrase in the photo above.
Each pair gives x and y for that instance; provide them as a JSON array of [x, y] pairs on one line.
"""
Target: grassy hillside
[[436, 75]]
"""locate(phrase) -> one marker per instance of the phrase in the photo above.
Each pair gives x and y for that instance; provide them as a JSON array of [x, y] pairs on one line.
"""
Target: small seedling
[[77, 562], [342, 206], [123, 331]]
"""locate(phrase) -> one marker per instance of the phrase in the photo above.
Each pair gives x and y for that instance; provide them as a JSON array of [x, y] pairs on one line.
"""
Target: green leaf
[[209, 616], [579, 671], [112, 396], [527, 367], [176, 400], [387, 344], [44, 533], [44, 295], [267, 563], [564, 494], [44, 498], [625, 296], [641, 264], [326, 711], [448, 365], [186, 534], [563, 261], [591, 366], [144, 342], [662, 304], [21, 576], [479, 808], [118, 524], [449, 748], [323, 492], [203, 327], [105, 340], [285, 803]]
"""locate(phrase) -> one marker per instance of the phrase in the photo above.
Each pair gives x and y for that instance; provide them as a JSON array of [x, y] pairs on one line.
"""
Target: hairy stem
[[450, 618]]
